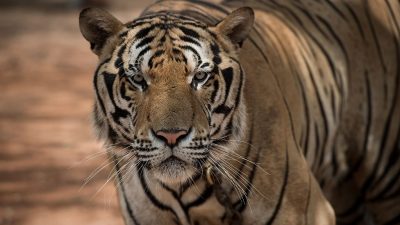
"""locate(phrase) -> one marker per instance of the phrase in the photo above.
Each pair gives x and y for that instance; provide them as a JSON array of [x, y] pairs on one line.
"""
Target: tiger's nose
[[171, 137]]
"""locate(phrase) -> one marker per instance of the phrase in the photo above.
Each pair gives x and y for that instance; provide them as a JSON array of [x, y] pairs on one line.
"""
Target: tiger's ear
[[237, 25], [97, 26]]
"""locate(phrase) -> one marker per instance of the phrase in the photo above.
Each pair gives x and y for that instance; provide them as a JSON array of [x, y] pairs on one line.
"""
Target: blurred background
[[47, 147]]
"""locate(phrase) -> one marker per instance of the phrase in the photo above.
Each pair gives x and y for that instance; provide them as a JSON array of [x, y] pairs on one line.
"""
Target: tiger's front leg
[[284, 190]]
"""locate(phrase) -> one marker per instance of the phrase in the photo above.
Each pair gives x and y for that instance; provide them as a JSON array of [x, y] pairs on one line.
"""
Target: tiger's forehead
[[148, 25], [152, 41]]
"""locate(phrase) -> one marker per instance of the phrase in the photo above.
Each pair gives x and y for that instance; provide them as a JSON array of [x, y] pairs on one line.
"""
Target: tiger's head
[[168, 89]]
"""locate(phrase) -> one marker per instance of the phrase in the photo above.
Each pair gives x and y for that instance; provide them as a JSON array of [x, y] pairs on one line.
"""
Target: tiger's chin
[[173, 171]]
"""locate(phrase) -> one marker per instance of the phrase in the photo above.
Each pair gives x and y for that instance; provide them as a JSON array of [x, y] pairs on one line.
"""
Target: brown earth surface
[[47, 147]]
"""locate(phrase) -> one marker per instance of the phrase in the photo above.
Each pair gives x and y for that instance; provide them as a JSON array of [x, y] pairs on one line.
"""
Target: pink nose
[[171, 136]]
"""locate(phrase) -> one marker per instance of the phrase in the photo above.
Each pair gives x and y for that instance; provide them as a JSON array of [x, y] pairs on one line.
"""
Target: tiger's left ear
[[237, 25]]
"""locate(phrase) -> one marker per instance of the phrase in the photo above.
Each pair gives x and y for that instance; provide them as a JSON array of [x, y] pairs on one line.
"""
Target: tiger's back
[[337, 64]]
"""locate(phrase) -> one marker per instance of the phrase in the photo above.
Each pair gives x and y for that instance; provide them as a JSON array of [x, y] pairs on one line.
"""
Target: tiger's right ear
[[97, 26]]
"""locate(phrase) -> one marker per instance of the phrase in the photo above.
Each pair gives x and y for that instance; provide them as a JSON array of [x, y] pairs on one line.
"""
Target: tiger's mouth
[[172, 163], [173, 170]]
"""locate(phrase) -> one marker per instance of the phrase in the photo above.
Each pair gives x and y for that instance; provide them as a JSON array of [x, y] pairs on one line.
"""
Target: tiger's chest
[[209, 213], [197, 206], [188, 204]]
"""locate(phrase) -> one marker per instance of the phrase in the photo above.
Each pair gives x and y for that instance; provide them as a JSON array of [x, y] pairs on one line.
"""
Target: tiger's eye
[[200, 76], [138, 78]]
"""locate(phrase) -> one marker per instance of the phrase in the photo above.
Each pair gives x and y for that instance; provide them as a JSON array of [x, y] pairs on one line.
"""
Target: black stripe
[[123, 93], [119, 63], [396, 22], [215, 50], [374, 35], [258, 48], [190, 40], [257, 32], [153, 199], [215, 91], [335, 8], [141, 53], [336, 37], [312, 20], [204, 65], [112, 136], [222, 109], [121, 51], [144, 32], [247, 153], [189, 32], [145, 41], [177, 198], [199, 16], [189, 183], [323, 116], [241, 204], [118, 112], [210, 5], [96, 75], [333, 103], [227, 74], [120, 181], [282, 192], [306, 113], [241, 78], [203, 197], [135, 24], [356, 20], [123, 34], [369, 116], [190, 48]]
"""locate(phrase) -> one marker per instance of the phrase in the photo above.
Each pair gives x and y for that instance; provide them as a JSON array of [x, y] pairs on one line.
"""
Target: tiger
[[251, 111]]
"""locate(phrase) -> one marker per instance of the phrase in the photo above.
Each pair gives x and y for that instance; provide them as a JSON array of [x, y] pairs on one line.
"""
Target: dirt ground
[[47, 147]]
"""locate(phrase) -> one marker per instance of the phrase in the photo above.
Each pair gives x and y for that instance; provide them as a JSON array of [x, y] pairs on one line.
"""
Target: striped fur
[[306, 111]]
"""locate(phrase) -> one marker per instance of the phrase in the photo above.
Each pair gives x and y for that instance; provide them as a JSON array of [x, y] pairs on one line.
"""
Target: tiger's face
[[168, 89]]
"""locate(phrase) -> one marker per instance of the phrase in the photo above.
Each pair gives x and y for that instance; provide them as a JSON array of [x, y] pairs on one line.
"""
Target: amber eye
[[138, 78], [199, 77]]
